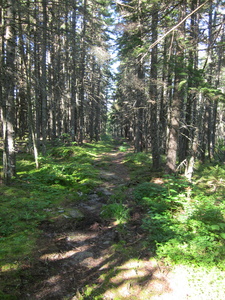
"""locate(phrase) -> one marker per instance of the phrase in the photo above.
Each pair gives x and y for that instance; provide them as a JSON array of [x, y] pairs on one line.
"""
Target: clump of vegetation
[[140, 166], [124, 147], [186, 224], [116, 208], [117, 211]]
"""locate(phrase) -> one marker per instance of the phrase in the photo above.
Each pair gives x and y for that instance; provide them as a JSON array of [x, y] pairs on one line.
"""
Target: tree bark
[[74, 74], [44, 78], [82, 74], [9, 153], [154, 94]]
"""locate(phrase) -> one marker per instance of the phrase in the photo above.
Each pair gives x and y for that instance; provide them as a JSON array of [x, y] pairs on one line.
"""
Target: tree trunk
[[74, 74], [97, 125], [174, 116], [173, 133], [9, 153], [27, 79], [178, 96], [44, 78], [139, 111], [153, 93], [82, 74]]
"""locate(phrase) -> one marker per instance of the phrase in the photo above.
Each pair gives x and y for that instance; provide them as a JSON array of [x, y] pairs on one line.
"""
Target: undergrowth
[[139, 166], [186, 222], [66, 175]]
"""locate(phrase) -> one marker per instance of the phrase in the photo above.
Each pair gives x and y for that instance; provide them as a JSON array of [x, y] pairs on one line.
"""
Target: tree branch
[[173, 28]]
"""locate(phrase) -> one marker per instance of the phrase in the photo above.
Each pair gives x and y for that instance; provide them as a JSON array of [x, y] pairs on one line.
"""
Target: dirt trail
[[79, 249]]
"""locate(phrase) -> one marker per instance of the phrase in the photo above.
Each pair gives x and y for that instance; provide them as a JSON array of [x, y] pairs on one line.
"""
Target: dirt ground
[[74, 254]]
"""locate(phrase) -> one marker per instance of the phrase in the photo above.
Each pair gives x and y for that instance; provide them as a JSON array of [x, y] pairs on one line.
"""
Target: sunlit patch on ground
[[9, 267], [58, 256], [137, 279]]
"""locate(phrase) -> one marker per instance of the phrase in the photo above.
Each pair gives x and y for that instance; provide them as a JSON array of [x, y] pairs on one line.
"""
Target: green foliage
[[139, 165], [212, 93], [139, 158], [124, 147], [21, 210], [4, 296], [219, 154], [65, 168], [116, 209], [161, 197], [65, 173], [148, 189], [212, 178], [186, 224]]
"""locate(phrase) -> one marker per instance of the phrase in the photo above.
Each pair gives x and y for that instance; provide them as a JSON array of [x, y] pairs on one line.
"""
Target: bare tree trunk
[[140, 96], [139, 113], [37, 73], [82, 74], [98, 108], [173, 134], [178, 95], [74, 74], [44, 78], [1, 67], [154, 94], [27, 79], [9, 153]]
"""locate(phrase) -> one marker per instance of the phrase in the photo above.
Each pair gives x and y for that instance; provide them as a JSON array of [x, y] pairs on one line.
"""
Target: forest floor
[[93, 258], [84, 253]]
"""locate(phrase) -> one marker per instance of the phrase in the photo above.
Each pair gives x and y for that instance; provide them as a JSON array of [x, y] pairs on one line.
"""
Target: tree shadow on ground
[[89, 259], [69, 257]]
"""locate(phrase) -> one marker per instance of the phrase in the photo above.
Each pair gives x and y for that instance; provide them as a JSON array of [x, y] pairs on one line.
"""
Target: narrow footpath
[[83, 256]]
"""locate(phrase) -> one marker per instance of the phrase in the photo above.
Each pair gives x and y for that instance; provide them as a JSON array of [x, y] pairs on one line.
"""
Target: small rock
[[79, 257], [104, 191], [93, 197], [106, 242], [75, 214], [108, 176], [65, 216]]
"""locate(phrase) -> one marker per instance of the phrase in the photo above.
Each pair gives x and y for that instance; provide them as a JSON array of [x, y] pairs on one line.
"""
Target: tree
[[153, 93], [9, 46], [175, 76]]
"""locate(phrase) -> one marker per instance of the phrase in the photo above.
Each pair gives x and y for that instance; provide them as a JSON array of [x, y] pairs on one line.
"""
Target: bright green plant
[[124, 147], [117, 211], [116, 208]]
